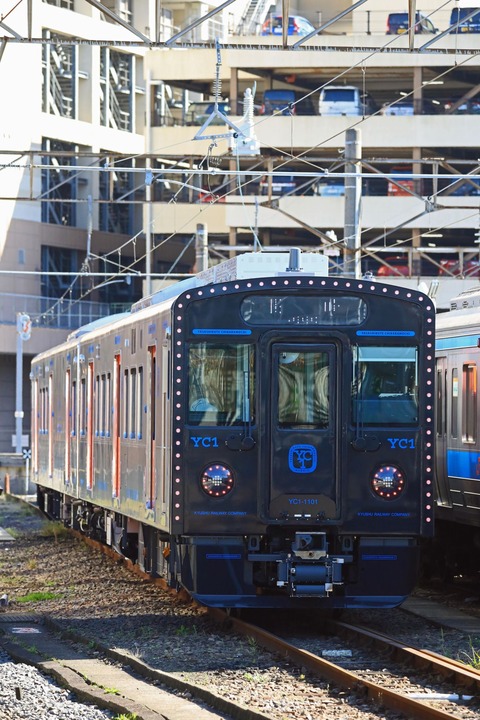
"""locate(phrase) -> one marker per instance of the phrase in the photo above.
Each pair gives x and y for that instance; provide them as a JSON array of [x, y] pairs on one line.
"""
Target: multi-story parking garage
[[418, 212]]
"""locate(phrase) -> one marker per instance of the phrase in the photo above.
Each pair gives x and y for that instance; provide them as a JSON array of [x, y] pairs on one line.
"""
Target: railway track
[[315, 665], [455, 684]]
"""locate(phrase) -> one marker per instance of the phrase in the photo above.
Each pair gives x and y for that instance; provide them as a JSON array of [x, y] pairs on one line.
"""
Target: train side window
[[469, 403], [221, 384], [303, 389], [43, 410], [385, 385], [454, 390]]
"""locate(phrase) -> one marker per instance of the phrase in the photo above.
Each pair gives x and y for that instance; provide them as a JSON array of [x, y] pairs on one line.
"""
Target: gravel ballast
[[94, 596]]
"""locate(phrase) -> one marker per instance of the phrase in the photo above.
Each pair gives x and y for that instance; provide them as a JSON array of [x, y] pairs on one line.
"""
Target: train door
[[90, 410], [116, 425], [50, 424], [164, 490], [441, 421], [150, 476], [304, 432], [82, 430], [35, 427], [74, 434], [68, 428]]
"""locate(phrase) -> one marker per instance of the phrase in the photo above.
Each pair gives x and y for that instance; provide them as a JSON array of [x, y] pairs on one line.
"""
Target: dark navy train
[[457, 538], [258, 434]]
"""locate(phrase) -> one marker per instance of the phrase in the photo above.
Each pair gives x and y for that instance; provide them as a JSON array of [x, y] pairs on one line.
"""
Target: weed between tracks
[[38, 597], [473, 655]]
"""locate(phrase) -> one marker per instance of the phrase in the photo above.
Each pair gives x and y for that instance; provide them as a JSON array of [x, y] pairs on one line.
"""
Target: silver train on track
[[258, 434], [457, 539]]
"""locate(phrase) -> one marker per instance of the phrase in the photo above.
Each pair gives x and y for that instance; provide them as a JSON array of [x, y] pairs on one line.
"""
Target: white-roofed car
[[345, 100]]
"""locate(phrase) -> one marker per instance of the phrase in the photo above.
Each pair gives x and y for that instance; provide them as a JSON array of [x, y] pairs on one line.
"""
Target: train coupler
[[308, 571]]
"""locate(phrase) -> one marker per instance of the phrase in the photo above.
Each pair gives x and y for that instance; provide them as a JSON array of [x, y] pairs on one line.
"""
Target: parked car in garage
[[330, 188], [345, 100], [286, 102], [459, 15], [398, 23], [471, 268], [297, 25], [466, 188], [199, 112], [403, 185], [281, 185], [397, 265], [409, 106], [469, 107]]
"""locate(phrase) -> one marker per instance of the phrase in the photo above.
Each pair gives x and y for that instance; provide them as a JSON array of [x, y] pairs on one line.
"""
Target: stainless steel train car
[[457, 538], [261, 436]]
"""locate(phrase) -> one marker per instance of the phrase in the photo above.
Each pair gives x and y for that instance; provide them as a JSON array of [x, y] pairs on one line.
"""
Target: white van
[[344, 100]]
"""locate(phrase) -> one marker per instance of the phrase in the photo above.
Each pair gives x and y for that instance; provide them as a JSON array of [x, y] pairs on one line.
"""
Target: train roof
[[464, 313], [248, 265], [100, 322], [468, 299]]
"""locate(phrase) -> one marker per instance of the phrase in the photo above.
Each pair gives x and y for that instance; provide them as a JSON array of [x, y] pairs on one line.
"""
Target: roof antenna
[[294, 260]]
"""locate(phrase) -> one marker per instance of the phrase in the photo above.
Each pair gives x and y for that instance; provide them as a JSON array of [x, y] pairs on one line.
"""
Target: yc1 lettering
[[206, 442], [402, 443]]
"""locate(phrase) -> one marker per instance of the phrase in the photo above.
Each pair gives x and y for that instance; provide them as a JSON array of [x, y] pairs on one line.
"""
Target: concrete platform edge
[[216, 702], [80, 687]]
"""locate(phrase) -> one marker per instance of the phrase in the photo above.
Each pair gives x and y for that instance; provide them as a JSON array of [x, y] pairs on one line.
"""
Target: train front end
[[302, 446]]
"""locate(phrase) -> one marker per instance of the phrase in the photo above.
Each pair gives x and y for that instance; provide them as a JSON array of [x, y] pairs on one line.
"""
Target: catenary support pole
[[353, 199]]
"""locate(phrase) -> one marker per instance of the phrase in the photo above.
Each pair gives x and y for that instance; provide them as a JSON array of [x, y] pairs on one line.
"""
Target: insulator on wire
[[217, 88]]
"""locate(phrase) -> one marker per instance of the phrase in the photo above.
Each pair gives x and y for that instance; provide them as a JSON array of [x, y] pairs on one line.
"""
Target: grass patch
[[13, 532], [183, 630], [54, 529], [38, 597], [473, 657], [10, 580]]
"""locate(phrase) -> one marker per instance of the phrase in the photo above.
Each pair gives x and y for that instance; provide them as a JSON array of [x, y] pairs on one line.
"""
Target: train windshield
[[303, 394], [221, 384], [385, 385]]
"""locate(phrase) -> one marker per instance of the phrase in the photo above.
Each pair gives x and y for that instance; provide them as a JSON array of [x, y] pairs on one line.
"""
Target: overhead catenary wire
[[297, 157]]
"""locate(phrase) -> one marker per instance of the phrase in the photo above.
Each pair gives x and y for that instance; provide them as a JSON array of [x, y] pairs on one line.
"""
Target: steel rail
[[390, 699], [466, 677]]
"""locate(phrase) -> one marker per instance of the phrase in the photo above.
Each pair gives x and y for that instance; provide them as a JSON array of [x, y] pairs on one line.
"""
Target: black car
[[398, 23], [470, 25]]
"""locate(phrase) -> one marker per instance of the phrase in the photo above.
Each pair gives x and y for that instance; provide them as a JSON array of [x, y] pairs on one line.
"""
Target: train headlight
[[217, 480], [388, 482]]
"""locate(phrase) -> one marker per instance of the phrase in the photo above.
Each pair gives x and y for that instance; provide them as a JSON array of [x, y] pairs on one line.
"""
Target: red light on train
[[388, 482], [217, 480]]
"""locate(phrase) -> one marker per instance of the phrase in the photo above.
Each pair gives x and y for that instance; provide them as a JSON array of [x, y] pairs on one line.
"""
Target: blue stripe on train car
[[457, 342], [463, 464]]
